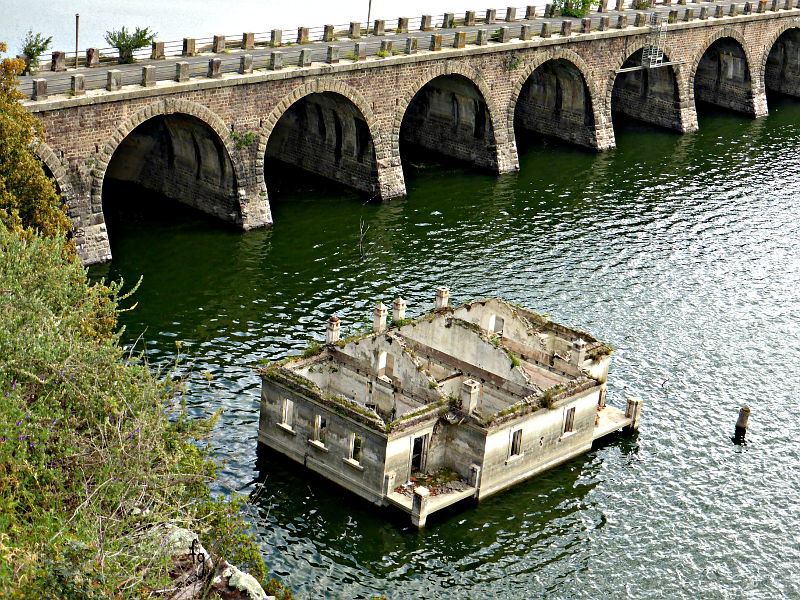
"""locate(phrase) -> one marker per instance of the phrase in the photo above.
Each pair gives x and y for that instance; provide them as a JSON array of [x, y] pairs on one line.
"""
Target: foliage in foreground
[[33, 46], [90, 464], [126, 42], [573, 8], [28, 198]]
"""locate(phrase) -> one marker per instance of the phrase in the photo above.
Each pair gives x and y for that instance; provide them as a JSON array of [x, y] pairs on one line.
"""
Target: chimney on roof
[[399, 309], [332, 332], [442, 297], [578, 351], [379, 317], [470, 390]]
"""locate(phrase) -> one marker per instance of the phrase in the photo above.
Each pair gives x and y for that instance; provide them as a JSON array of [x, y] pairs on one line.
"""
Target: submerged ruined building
[[458, 403]]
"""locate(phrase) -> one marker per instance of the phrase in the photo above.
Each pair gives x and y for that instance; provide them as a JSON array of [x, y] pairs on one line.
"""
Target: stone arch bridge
[[207, 141]]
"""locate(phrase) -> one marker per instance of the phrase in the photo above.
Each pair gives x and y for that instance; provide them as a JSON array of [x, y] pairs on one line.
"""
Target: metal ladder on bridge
[[653, 51]]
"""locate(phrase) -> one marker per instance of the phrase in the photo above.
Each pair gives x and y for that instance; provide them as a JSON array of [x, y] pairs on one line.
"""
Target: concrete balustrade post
[[275, 38], [667, 2], [276, 61], [402, 25], [548, 11], [526, 33], [748, 8], [218, 44], [436, 42], [355, 30], [605, 23], [419, 506], [214, 68], [248, 40], [39, 91], [156, 51], [304, 60], [622, 21], [545, 31], [603, 6], [530, 12], [483, 37], [411, 45], [673, 16], [148, 76], [360, 51], [379, 27], [302, 35], [448, 21], [733, 10], [77, 85], [503, 34], [704, 13], [511, 14], [426, 24], [58, 61], [620, 6], [469, 18], [327, 33], [182, 71], [719, 12], [586, 25], [93, 57], [460, 39], [332, 56], [491, 16], [189, 47], [641, 19], [387, 46], [762, 6], [787, 5], [688, 15], [246, 64], [113, 80]]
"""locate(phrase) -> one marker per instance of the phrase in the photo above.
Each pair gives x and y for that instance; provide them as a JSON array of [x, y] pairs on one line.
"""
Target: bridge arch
[[777, 70], [359, 145], [196, 140], [487, 144], [56, 170], [562, 67], [722, 74]]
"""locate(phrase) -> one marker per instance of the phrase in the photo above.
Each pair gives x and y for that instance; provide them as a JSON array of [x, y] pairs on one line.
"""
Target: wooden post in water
[[740, 431]]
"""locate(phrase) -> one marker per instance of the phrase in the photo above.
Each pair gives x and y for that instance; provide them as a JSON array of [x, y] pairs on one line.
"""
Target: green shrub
[[574, 8], [33, 46], [127, 42]]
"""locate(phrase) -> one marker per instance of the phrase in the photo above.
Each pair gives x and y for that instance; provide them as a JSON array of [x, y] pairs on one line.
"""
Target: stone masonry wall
[[648, 95], [82, 133], [783, 65], [723, 77]]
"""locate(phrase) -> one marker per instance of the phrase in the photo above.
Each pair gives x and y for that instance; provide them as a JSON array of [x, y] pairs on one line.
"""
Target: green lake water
[[682, 251]]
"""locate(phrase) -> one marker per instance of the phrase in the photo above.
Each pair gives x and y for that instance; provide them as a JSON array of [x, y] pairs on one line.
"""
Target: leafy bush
[[127, 43], [33, 46], [574, 8]]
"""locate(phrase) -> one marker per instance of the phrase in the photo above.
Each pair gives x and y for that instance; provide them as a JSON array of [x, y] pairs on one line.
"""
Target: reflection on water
[[679, 250]]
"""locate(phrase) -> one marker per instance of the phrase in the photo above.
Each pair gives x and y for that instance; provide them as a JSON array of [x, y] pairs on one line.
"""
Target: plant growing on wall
[[574, 8], [33, 46], [127, 42]]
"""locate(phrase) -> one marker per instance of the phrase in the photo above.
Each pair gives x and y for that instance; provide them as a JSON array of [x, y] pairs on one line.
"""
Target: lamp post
[[369, 13], [77, 31]]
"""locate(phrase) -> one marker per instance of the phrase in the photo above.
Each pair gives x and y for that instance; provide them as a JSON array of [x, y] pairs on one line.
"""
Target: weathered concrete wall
[[326, 134], [82, 133], [181, 158], [648, 95], [783, 64]]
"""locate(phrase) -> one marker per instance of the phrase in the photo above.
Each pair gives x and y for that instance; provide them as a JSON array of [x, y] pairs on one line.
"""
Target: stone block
[[503, 34], [545, 31], [530, 12], [548, 11], [245, 64], [604, 23], [77, 85], [566, 28], [379, 27], [733, 10], [748, 8], [332, 56], [622, 21], [360, 51], [448, 21], [93, 57], [469, 18], [719, 12], [248, 41], [218, 44], [426, 24], [586, 25], [327, 33], [355, 30], [302, 35], [483, 37], [459, 39], [667, 2], [156, 52], [491, 16], [214, 68], [511, 14], [688, 15], [402, 25], [526, 33], [113, 80], [436, 42], [39, 91], [673, 16], [189, 47], [387, 46], [148, 76], [641, 19], [620, 6], [181, 71], [304, 60], [762, 6], [276, 61], [58, 61], [276, 38], [682, 2], [411, 45], [603, 6]]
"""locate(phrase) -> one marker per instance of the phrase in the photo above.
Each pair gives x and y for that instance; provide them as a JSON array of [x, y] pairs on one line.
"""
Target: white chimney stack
[[442, 297], [399, 309], [379, 317], [332, 332], [470, 391]]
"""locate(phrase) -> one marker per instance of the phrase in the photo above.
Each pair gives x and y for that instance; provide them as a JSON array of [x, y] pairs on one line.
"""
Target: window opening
[[287, 411], [569, 420], [355, 448], [516, 443], [416, 453], [320, 429]]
